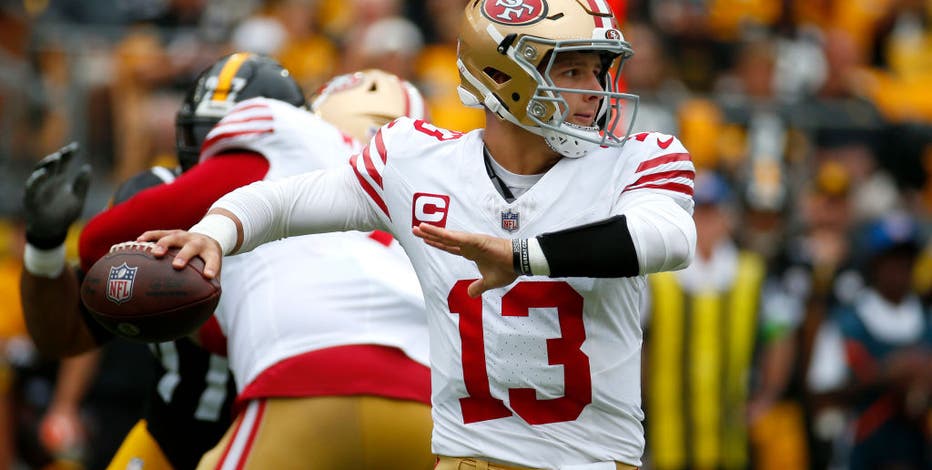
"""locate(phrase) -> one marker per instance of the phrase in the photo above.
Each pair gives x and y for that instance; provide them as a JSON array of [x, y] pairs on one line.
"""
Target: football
[[143, 298]]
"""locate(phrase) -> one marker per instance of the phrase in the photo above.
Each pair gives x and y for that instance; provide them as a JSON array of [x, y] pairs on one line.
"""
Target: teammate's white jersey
[[312, 292], [546, 371]]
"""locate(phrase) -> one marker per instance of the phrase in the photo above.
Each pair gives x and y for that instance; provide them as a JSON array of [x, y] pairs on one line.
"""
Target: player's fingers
[[212, 258], [476, 288], [171, 239], [152, 235], [82, 181], [35, 179], [455, 250], [188, 251], [67, 153], [447, 236]]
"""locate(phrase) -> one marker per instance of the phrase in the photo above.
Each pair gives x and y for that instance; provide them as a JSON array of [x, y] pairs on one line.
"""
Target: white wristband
[[220, 228], [44, 263], [539, 264]]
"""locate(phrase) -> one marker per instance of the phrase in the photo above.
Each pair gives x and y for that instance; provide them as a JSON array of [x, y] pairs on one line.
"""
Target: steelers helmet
[[232, 79], [507, 49], [359, 103]]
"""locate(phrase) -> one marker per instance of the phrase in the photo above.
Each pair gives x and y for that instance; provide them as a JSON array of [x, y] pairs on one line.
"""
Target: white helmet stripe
[[417, 107], [602, 7]]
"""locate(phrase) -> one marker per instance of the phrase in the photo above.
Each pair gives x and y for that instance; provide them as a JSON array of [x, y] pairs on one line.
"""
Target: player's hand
[[190, 245], [54, 197], [492, 255]]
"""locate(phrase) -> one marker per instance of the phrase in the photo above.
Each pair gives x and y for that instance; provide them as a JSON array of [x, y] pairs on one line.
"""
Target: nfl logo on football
[[510, 220], [120, 283]]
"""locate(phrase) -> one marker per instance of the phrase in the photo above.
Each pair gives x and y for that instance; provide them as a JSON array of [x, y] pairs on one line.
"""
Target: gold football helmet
[[506, 51], [360, 103]]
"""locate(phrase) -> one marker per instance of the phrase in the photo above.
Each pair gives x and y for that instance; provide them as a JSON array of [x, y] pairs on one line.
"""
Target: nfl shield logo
[[120, 283], [510, 220]]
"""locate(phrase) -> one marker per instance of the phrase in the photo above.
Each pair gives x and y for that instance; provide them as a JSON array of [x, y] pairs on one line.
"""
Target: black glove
[[54, 197]]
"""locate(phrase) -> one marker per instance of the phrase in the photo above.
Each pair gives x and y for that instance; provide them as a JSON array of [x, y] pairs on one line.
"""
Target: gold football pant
[[326, 433]]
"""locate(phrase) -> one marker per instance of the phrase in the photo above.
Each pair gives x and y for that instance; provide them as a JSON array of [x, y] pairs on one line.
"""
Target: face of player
[[579, 70]]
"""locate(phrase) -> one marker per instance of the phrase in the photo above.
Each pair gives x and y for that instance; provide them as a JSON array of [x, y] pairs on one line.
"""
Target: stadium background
[[815, 116]]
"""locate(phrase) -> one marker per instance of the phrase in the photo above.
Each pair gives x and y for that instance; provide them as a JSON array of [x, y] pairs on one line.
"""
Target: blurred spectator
[[874, 359], [814, 271], [649, 75], [290, 30], [701, 331], [391, 44], [436, 73]]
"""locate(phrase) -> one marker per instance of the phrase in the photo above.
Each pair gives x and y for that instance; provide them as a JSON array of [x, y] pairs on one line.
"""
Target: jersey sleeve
[[663, 166], [656, 198], [319, 201], [177, 205], [369, 169], [246, 127]]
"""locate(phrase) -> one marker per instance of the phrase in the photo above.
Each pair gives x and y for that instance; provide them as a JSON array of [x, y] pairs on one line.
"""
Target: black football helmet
[[232, 79]]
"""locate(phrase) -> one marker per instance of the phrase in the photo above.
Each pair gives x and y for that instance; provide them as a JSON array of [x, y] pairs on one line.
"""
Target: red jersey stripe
[[235, 119], [243, 107], [380, 146], [370, 168], [229, 135], [342, 370], [677, 187], [668, 158], [379, 236], [376, 198], [663, 175]]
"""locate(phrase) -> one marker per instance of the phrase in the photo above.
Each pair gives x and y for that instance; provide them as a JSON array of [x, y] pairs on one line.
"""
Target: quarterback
[[531, 237]]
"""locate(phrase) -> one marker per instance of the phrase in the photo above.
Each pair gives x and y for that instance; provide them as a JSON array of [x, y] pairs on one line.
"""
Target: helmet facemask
[[548, 107]]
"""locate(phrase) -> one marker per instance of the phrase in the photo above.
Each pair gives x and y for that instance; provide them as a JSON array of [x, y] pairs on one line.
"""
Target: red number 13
[[565, 350]]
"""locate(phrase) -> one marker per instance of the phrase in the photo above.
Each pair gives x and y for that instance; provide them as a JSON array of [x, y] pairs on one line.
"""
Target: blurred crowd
[[805, 318]]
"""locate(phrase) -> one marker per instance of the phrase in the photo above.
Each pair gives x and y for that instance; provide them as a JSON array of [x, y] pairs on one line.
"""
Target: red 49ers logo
[[514, 12]]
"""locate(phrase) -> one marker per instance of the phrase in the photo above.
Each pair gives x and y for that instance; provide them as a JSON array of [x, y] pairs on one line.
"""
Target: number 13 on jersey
[[565, 350]]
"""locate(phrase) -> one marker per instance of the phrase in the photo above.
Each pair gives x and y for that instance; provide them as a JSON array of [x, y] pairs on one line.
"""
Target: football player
[[539, 229], [195, 390], [326, 334]]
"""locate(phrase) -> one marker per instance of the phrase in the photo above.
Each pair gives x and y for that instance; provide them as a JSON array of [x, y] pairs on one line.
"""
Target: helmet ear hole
[[496, 75]]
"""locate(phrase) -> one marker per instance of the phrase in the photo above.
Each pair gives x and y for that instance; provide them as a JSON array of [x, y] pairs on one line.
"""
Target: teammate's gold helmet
[[360, 103], [506, 50]]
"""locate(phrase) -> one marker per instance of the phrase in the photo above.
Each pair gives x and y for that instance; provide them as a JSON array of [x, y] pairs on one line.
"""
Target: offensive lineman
[[326, 334], [195, 391], [535, 341]]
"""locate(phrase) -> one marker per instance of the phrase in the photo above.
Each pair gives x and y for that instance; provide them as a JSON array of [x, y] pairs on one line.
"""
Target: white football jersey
[[546, 371], [317, 291]]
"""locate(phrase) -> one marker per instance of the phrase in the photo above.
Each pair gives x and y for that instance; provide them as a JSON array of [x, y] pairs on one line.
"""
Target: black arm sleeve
[[599, 249]]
